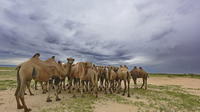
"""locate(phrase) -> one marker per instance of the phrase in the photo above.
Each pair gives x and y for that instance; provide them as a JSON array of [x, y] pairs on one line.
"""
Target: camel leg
[[146, 83], [143, 83], [87, 86], [49, 90], [135, 82], [36, 85], [69, 84], [74, 88], [106, 86], [28, 86], [26, 109], [64, 85], [19, 106], [128, 87], [101, 84], [96, 88], [21, 95], [124, 87], [56, 92], [81, 87], [110, 88], [119, 85], [44, 87]]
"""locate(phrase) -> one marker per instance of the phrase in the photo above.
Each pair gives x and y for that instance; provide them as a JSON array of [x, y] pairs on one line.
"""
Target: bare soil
[[38, 101]]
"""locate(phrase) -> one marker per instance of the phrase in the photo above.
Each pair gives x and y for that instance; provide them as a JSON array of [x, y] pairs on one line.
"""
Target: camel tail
[[34, 73], [18, 79]]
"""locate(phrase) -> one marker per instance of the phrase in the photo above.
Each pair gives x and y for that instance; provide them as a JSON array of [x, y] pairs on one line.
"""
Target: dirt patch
[[36, 102], [184, 82], [114, 107]]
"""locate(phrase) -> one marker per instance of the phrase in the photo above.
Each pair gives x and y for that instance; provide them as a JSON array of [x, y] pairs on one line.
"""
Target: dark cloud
[[160, 36]]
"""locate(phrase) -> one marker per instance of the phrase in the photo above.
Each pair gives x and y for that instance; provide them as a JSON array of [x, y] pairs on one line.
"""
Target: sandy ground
[[114, 107], [38, 101]]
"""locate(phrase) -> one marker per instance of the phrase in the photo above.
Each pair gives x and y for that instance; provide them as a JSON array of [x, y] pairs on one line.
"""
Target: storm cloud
[[161, 36]]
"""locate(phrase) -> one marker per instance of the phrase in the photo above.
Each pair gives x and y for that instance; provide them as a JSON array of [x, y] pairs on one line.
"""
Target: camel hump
[[36, 55], [53, 57]]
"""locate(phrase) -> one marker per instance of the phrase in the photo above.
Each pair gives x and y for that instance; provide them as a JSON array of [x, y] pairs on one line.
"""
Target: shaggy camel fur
[[34, 68], [139, 73]]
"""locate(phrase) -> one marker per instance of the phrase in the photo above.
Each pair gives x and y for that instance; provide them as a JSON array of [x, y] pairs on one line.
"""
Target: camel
[[84, 71], [67, 68], [59, 67], [37, 69], [111, 78], [139, 73], [123, 74], [101, 77]]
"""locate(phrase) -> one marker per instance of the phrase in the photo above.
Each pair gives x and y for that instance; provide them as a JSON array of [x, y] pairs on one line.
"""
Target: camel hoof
[[20, 107], [74, 96], [43, 92], [82, 96], [27, 110], [49, 100], [58, 99], [129, 96], [25, 93], [32, 94], [123, 94]]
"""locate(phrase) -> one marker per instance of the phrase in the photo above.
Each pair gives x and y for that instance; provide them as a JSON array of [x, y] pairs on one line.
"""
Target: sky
[[159, 35]]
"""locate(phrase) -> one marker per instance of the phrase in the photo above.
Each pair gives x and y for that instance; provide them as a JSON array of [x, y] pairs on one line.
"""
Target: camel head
[[70, 60], [135, 67], [125, 66], [140, 68], [88, 64]]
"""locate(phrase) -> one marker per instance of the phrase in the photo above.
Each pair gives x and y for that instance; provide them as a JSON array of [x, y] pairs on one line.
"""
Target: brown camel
[[34, 68], [111, 78], [139, 73], [67, 67], [123, 74], [81, 72], [101, 77], [62, 72]]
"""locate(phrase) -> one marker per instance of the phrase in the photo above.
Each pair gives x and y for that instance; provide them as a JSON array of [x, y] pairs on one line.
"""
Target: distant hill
[[8, 65]]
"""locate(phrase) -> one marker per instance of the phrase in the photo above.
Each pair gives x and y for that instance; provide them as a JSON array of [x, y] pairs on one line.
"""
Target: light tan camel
[[34, 68]]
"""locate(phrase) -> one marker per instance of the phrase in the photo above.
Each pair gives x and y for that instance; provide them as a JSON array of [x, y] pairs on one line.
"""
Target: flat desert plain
[[166, 94]]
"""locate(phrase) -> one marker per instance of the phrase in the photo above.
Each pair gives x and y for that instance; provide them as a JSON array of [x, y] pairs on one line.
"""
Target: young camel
[[139, 73], [34, 68], [123, 74]]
